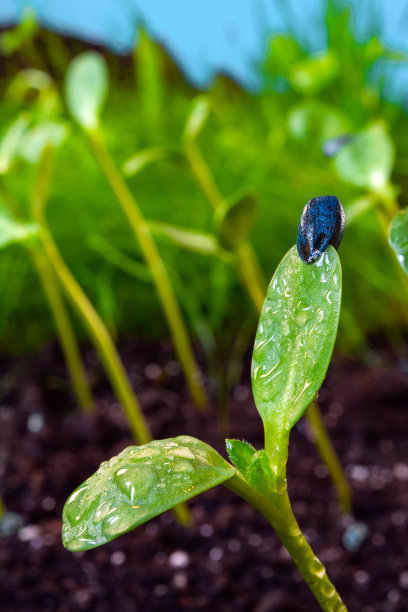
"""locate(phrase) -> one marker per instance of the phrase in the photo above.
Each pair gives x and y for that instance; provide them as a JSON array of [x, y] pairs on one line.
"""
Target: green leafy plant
[[86, 89], [293, 347]]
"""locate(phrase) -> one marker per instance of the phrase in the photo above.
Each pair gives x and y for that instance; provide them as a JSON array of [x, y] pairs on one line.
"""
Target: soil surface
[[229, 559]]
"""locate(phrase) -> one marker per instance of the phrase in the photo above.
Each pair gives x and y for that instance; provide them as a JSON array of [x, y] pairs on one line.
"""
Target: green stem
[[56, 304], [150, 82], [101, 338], [204, 176], [97, 330], [3, 508], [158, 270], [251, 274], [329, 457], [64, 328], [280, 516]]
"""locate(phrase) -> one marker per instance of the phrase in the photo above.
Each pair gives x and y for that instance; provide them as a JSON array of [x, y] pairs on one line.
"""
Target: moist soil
[[229, 559]]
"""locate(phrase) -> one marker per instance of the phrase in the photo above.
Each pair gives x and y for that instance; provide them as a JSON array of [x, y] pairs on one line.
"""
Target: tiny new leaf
[[197, 118], [137, 485], [241, 454], [12, 231], [295, 338], [368, 159], [399, 237], [86, 88]]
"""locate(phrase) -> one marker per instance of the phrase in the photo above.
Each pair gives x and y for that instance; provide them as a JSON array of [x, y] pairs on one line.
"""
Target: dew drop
[[301, 318], [121, 521], [136, 481], [182, 451]]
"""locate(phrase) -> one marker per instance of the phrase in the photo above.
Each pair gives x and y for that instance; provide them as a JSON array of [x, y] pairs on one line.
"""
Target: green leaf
[[12, 231], [399, 237], [368, 159], [241, 454], [188, 239], [260, 473], [316, 122], [13, 40], [197, 118], [295, 338], [144, 158], [235, 222], [359, 207], [35, 140], [312, 75], [11, 142], [137, 485], [86, 88]]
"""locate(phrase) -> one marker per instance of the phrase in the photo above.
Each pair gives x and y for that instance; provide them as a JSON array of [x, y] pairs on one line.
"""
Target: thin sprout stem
[[204, 176], [101, 338], [90, 318], [97, 330], [329, 457], [280, 516], [3, 508], [65, 332], [64, 329], [158, 270]]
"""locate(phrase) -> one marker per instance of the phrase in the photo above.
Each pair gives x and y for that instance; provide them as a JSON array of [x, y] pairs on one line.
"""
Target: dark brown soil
[[229, 559]]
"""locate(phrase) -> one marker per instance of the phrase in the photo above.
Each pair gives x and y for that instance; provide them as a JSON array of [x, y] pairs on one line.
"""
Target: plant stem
[[65, 333], [100, 336], [329, 457], [158, 270], [281, 518], [252, 279], [96, 328], [3, 508], [251, 275], [64, 330]]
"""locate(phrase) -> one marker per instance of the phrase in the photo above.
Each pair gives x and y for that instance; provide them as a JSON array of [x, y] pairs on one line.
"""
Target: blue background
[[208, 36]]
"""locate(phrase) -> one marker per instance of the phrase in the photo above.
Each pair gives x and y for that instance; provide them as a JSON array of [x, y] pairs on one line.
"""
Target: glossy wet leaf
[[399, 237], [235, 222], [12, 231], [241, 454], [138, 484], [368, 159], [86, 88], [295, 337]]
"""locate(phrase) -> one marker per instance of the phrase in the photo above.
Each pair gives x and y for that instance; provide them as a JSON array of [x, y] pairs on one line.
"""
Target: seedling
[[86, 89], [24, 139], [293, 346], [322, 224]]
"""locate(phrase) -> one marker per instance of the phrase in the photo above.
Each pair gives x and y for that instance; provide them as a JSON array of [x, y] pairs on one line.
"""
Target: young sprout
[[293, 347], [86, 90]]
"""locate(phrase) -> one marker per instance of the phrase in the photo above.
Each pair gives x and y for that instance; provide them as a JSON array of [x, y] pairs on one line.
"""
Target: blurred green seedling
[[293, 347], [26, 140], [366, 162], [86, 89]]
